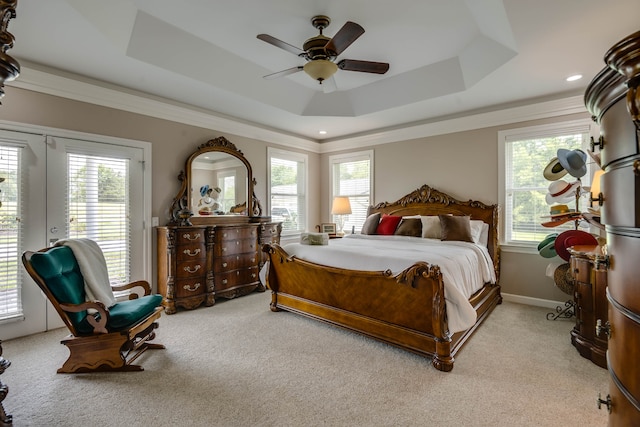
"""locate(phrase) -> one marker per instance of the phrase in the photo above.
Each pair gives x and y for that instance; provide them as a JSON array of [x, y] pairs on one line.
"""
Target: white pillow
[[431, 228], [479, 232]]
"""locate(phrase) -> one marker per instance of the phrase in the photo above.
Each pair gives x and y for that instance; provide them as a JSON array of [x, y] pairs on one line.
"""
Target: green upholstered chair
[[101, 339]]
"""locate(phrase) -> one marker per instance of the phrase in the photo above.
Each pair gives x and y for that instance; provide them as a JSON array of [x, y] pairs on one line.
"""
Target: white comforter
[[465, 267]]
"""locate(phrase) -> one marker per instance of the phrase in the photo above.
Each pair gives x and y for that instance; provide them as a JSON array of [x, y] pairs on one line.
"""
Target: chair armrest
[[146, 288], [99, 325]]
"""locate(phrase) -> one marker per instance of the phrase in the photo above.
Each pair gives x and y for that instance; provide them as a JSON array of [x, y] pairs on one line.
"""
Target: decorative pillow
[[476, 230], [431, 227], [388, 224], [409, 227], [456, 228], [371, 224]]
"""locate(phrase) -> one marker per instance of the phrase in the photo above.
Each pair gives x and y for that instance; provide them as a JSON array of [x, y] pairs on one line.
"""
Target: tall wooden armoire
[[613, 98]]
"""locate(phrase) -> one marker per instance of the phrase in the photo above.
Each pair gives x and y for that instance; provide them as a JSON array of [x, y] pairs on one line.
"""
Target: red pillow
[[388, 224]]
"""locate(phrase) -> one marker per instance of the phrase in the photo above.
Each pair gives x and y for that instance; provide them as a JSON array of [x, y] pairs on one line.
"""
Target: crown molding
[[93, 93], [66, 87]]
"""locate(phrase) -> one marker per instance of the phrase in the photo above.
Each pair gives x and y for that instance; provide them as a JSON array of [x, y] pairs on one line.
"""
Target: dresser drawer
[[224, 234], [618, 133], [231, 279], [621, 191], [231, 247], [191, 251], [581, 269], [623, 276], [623, 345], [190, 287], [187, 236], [235, 262], [190, 269]]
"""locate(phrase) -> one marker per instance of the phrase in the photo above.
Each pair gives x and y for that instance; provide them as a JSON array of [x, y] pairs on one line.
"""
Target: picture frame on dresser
[[329, 228], [204, 255]]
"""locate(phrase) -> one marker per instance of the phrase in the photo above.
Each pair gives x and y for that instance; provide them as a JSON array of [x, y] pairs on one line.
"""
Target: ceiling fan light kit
[[320, 52], [320, 69]]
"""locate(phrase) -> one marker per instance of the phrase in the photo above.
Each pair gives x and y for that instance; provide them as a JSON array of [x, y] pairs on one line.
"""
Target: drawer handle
[[600, 143], [606, 328], [607, 402], [194, 253], [224, 264], [237, 243], [253, 275], [253, 260], [224, 281], [224, 249], [188, 236], [189, 270], [190, 289]]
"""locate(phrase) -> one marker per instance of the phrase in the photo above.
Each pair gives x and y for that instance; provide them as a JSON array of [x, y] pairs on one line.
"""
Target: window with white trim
[[11, 203], [352, 176], [524, 153], [288, 189]]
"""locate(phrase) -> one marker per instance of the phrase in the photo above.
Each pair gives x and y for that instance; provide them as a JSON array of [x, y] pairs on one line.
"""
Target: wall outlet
[[154, 221]]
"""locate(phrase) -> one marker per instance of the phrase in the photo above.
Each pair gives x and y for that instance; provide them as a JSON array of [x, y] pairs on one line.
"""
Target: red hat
[[569, 238]]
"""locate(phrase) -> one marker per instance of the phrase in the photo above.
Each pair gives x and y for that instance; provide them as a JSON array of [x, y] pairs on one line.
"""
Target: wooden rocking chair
[[102, 339]]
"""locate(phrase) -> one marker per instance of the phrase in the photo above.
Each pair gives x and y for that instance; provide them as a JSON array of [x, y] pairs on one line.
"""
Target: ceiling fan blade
[[363, 66], [329, 85], [282, 45], [283, 73], [344, 37]]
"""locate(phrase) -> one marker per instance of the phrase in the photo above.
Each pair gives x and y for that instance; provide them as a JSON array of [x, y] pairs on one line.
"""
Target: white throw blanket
[[465, 267], [93, 268]]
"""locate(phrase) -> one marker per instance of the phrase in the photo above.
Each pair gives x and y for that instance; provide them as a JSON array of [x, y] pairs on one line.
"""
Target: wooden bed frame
[[407, 310]]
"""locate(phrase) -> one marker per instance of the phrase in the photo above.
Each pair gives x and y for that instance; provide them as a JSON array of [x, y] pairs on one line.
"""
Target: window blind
[[11, 196], [288, 199], [98, 208], [353, 179]]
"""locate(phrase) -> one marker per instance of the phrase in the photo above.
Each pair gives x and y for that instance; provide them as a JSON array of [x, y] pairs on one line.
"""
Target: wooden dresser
[[201, 263], [613, 99], [590, 287]]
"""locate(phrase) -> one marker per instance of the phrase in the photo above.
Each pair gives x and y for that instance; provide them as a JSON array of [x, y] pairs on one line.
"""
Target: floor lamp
[[341, 207]]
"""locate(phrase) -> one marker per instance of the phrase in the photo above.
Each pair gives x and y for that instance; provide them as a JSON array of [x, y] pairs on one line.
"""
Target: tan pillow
[[371, 224], [409, 227], [456, 228], [431, 228]]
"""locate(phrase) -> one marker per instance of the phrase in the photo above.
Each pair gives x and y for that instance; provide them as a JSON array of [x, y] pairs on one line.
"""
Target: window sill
[[519, 248]]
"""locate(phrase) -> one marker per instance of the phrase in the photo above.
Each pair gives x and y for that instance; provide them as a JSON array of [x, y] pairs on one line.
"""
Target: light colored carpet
[[239, 364]]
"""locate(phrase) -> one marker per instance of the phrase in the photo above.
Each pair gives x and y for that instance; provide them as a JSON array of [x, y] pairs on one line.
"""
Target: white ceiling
[[447, 58]]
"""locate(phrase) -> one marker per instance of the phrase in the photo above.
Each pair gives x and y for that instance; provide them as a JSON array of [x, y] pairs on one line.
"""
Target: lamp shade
[[595, 184], [341, 206], [320, 69]]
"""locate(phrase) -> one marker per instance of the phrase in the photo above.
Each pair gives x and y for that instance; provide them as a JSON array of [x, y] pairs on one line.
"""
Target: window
[[227, 184], [288, 190], [352, 176], [10, 231], [98, 208], [524, 155]]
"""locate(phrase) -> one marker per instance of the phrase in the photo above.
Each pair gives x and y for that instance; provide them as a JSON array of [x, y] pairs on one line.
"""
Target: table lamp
[[341, 207]]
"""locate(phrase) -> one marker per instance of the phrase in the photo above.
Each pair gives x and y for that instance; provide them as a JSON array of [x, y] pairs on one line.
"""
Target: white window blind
[[288, 189], [352, 176], [526, 187], [11, 193], [98, 208]]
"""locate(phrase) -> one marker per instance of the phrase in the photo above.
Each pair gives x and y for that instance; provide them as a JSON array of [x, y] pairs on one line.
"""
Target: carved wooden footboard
[[407, 310]]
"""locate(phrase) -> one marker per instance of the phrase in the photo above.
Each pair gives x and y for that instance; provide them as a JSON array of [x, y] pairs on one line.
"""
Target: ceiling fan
[[320, 52]]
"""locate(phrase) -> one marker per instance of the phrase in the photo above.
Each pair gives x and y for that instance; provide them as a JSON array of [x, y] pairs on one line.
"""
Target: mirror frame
[[181, 209]]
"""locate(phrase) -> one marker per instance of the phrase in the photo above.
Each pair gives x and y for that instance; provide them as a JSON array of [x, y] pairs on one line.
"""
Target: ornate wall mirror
[[217, 186]]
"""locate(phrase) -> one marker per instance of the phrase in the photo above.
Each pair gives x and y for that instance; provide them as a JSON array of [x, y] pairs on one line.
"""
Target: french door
[[67, 187]]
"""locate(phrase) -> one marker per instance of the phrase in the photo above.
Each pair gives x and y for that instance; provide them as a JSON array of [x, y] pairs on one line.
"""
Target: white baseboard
[[538, 302]]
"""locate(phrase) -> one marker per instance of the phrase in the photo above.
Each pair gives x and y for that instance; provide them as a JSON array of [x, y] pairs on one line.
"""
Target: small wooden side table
[[591, 304]]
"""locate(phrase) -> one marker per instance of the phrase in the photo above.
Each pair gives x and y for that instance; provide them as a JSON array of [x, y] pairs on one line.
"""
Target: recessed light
[[574, 77], [322, 132]]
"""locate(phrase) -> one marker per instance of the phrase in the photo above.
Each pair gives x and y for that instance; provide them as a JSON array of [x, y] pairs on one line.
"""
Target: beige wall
[[463, 164]]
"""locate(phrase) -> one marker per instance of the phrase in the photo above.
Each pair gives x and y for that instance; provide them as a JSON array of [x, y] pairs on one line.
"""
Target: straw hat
[[561, 191], [554, 170], [562, 278]]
